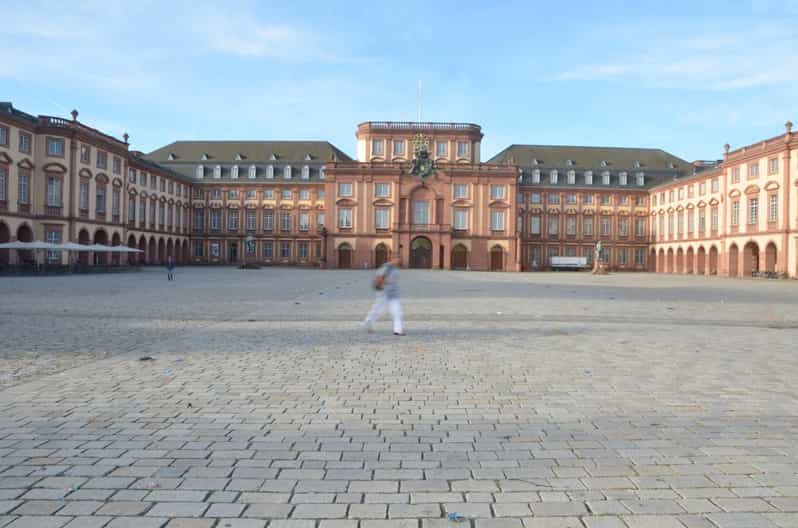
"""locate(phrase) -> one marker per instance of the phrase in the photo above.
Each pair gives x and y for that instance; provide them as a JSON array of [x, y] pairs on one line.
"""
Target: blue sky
[[683, 76]]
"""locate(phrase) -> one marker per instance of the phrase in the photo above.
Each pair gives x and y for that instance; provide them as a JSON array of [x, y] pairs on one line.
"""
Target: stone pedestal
[[600, 268]]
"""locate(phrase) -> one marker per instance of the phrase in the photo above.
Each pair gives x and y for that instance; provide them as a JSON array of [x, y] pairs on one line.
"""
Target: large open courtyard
[[514, 400]]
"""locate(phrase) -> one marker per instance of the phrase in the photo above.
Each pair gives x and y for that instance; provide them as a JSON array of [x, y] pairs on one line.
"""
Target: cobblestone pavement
[[515, 401]]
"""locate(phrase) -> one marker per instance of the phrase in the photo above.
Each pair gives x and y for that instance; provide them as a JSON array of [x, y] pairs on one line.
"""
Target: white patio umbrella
[[30, 245], [71, 246], [126, 249]]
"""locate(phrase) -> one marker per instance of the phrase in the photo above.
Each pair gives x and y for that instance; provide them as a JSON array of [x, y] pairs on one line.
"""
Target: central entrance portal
[[421, 253]]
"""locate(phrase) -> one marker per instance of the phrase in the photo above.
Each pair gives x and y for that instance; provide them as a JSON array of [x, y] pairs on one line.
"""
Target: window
[[252, 194], [153, 181], [270, 172], [303, 250], [462, 149], [497, 192], [217, 172], [460, 190], [304, 221], [571, 177], [535, 197], [534, 225], [24, 142], [588, 177], [605, 178], [198, 248], [234, 171], [143, 178], [702, 188], [735, 213], [536, 176], [252, 222], [640, 200], [131, 175], [344, 189], [735, 175], [172, 188], [640, 227], [287, 172], [320, 219], [570, 198], [622, 178], [304, 194], [587, 199], [23, 187], [554, 225], [232, 194], [605, 199], [570, 225], [773, 165], [305, 172], [216, 219], [285, 221], [285, 250], [55, 147], [690, 221], [253, 172], [605, 226], [671, 226], [753, 211], [268, 194], [152, 214], [199, 219], [4, 135], [640, 257], [131, 210], [640, 179], [654, 199], [460, 219], [553, 176], [554, 198], [232, 219], [117, 165], [702, 222], [681, 193], [345, 218], [84, 195], [398, 147], [53, 237], [622, 256], [162, 215], [377, 147], [381, 218], [623, 227], [587, 226], [100, 199], [286, 194], [773, 208], [268, 249], [142, 211], [690, 190], [671, 196], [715, 185], [170, 215], [680, 222], [662, 226], [753, 170], [441, 147], [421, 213], [623, 200], [382, 190], [178, 217], [268, 221], [553, 252], [714, 225], [320, 194], [102, 159], [497, 220]]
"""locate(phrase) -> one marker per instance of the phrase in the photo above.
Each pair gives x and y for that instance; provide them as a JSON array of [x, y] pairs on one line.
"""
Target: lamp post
[[323, 233]]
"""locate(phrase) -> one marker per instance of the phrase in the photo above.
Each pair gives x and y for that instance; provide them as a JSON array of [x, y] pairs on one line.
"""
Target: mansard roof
[[252, 152]]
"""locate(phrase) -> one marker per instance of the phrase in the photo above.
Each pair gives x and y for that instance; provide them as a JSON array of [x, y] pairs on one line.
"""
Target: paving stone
[[225, 510], [177, 509], [88, 522], [191, 523]]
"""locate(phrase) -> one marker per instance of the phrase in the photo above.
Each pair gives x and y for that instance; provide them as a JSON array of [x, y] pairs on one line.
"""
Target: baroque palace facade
[[419, 189]]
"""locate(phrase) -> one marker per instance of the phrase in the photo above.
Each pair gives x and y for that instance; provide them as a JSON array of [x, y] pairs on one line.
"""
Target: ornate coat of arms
[[423, 165]]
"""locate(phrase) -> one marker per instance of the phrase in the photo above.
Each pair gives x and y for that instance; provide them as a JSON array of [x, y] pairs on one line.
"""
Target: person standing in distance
[[386, 282], [170, 268]]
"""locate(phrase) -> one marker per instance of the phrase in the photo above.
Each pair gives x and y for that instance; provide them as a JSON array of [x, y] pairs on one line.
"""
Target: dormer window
[[553, 176], [637, 165], [287, 172], [571, 177], [535, 161], [307, 157], [671, 165], [640, 179], [321, 173], [270, 172], [569, 162], [253, 170], [588, 177], [205, 157], [238, 157], [234, 172], [536, 176], [605, 178], [217, 172], [273, 157], [172, 156], [622, 178], [605, 163], [200, 172], [305, 172]]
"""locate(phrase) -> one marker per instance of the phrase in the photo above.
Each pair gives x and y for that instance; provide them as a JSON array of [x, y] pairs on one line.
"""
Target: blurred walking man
[[386, 282]]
